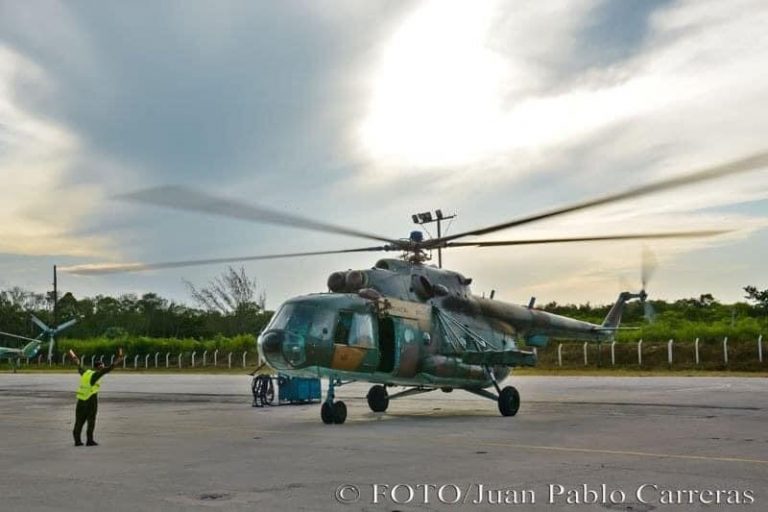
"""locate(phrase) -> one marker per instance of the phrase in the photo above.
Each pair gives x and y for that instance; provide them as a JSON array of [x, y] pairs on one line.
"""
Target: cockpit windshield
[[304, 320]]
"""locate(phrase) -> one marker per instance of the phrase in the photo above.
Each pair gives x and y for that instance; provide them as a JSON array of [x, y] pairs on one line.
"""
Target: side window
[[343, 327], [361, 334]]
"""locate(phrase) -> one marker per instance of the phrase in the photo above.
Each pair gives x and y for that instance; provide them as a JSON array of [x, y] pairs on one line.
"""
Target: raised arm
[[103, 371], [77, 360]]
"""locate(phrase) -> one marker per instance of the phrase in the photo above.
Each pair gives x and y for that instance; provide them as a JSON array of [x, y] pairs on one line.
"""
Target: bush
[[141, 345]]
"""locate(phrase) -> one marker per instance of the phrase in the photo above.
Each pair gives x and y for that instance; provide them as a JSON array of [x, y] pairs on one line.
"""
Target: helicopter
[[32, 348], [15, 355], [405, 322]]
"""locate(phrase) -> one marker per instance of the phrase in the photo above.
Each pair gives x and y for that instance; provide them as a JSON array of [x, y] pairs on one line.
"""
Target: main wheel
[[255, 391], [378, 398], [269, 393], [339, 412], [326, 413], [509, 401]]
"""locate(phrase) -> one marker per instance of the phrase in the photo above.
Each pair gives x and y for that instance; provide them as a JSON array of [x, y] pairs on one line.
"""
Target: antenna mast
[[427, 218]]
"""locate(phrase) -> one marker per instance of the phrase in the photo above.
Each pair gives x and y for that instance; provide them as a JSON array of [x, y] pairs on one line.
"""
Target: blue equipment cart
[[297, 390]]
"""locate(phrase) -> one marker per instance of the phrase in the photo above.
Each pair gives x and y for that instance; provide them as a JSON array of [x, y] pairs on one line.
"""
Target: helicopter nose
[[283, 349], [272, 348]]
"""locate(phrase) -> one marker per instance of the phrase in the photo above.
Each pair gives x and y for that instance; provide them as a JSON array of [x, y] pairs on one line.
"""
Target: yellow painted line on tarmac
[[624, 453]]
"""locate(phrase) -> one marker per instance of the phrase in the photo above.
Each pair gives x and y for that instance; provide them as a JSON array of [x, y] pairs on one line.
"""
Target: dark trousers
[[85, 411]]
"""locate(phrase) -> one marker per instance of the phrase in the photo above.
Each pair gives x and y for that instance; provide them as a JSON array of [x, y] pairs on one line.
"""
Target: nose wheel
[[332, 411], [335, 412]]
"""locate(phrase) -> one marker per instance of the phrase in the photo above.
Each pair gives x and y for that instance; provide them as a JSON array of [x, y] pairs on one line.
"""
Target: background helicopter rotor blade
[[97, 268], [17, 336], [65, 325], [40, 324], [734, 167], [596, 238], [188, 199]]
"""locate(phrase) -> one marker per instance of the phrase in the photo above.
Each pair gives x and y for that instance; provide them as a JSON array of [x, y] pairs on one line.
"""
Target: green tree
[[759, 296]]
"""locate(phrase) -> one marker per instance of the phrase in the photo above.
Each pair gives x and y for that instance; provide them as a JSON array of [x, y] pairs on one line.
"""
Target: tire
[[269, 393], [509, 401], [326, 413], [255, 391], [339, 412], [378, 398]]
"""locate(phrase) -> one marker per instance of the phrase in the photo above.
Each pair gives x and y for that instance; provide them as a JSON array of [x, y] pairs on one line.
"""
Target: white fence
[[724, 349], [153, 360]]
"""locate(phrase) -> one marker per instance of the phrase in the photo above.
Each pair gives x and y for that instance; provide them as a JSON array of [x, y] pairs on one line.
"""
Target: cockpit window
[[304, 320]]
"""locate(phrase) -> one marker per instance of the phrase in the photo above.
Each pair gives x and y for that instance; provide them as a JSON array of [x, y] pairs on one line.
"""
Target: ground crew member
[[88, 397]]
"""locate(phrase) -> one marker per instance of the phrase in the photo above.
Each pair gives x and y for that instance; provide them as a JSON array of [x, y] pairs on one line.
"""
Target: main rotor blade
[[737, 166], [96, 269], [598, 238], [184, 198]]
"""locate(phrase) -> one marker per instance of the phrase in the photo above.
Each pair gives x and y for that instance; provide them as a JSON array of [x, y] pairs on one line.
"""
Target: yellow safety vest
[[86, 391]]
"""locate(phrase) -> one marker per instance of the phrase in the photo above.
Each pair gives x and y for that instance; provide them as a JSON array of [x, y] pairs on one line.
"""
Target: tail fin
[[31, 349], [613, 318]]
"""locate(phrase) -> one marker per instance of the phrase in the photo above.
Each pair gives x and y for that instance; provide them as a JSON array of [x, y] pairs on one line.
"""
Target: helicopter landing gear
[[378, 398], [335, 412], [509, 401], [330, 411], [508, 398]]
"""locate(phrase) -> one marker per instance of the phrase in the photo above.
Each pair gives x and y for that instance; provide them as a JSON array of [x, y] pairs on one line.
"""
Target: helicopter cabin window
[[354, 329]]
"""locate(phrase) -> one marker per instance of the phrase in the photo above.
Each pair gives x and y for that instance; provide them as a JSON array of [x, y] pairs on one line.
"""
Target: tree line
[[229, 305], [232, 305], [703, 317]]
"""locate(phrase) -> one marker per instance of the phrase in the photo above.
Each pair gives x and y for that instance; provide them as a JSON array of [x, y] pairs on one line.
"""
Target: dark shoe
[[91, 443], [78, 443]]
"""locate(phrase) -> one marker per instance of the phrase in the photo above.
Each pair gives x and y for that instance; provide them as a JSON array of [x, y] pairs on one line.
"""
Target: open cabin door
[[402, 326], [387, 345]]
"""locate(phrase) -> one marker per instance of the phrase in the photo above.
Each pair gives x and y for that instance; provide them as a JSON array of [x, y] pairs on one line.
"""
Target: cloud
[[495, 85], [367, 112], [38, 205]]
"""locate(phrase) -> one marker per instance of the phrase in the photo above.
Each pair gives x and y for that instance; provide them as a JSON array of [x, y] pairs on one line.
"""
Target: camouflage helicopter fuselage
[[410, 324]]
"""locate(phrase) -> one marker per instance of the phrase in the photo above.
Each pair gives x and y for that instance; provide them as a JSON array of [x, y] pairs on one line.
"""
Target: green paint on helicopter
[[410, 324]]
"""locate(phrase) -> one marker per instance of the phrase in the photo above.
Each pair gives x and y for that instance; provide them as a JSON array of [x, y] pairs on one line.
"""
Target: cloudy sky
[[361, 113]]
